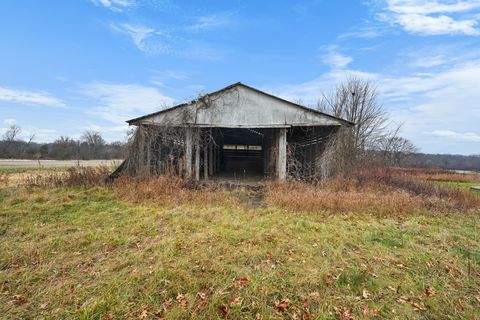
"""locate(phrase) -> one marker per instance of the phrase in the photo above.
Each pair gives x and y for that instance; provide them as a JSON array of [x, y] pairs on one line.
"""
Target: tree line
[[91, 145]]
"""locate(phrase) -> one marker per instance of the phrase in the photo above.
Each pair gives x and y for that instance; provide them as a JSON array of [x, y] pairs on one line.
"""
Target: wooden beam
[[197, 157], [205, 162], [210, 158], [282, 154], [188, 151]]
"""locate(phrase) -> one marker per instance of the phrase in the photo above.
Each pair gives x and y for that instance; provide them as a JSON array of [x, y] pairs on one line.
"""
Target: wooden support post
[[214, 159], [197, 156], [205, 161], [188, 151], [210, 158], [282, 154]]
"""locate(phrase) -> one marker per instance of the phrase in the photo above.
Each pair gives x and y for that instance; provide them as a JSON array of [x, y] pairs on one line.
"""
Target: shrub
[[73, 177]]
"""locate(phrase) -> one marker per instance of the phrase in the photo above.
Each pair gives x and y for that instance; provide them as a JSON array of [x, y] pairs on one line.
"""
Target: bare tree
[[355, 100], [92, 145], [12, 133], [394, 149], [93, 138], [64, 148]]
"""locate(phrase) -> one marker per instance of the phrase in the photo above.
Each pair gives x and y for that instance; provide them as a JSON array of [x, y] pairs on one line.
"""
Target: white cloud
[[145, 38], [29, 97], [431, 6], [115, 5], [10, 121], [466, 136], [366, 31], [159, 77], [117, 103], [209, 22], [422, 24], [335, 59], [155, 42], [429, 17]]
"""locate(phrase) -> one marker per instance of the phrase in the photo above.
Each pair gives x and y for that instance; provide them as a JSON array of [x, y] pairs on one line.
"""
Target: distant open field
[[6, 164], [15, 172], [378, 246]]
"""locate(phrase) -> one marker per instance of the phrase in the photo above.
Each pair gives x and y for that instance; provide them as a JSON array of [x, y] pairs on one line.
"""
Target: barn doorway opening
[[242, 153]]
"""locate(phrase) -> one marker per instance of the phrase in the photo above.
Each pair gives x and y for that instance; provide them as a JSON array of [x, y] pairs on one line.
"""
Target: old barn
[[236, 132]]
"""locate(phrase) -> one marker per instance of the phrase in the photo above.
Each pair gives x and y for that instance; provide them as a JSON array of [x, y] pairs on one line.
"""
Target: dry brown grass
[[375, 191], [295, 196], [171, 191], [72, 177]]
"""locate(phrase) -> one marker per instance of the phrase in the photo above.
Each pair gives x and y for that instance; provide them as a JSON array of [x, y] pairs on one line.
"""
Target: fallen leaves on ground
[[18, 299], [370, 312], [365, 294], [236, 301], [429, 291], [240, 283], [328, 280], [343, 313], [182, 300], [282, 305]]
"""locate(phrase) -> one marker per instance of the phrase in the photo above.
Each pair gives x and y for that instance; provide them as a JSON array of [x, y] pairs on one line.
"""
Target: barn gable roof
[[240, 106]]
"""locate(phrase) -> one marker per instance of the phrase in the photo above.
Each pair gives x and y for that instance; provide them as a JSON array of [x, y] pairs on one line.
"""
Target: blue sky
[[69, 66]]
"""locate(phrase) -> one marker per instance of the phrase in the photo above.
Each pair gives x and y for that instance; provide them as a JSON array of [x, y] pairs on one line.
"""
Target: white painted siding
[[242, 107]]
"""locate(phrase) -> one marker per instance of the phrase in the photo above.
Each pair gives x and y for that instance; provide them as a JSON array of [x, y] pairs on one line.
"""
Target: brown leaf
[[144, 313], [419, 306], [223, 310], [393, 289], [343, 313], [306, 310], [283, 305], [109, 316], [167, 304], [328, 280], [429, 291], [369, 312], [365, 294], [18, 299], [403, 299], [240, 283], [182, 300], [236, 301], [204, 293]]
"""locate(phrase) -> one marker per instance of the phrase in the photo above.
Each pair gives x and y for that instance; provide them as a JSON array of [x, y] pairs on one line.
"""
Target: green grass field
[[460, 185], [87, 253]]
